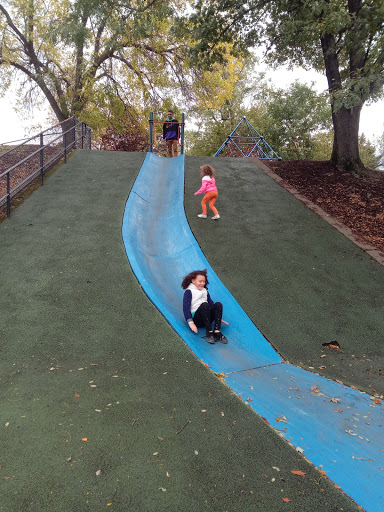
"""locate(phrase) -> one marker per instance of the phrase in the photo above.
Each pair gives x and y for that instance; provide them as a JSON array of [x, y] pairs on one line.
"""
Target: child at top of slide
[[198, 307], [208, 185]]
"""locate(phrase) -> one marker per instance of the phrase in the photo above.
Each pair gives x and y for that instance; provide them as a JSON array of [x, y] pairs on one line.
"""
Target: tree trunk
[[345, 152]]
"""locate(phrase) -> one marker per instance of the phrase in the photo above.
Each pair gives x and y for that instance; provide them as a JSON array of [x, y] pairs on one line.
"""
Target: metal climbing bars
[[251, 144]]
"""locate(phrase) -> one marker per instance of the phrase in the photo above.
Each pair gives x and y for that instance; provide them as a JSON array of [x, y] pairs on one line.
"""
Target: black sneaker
[[220, 337], [209, 337]]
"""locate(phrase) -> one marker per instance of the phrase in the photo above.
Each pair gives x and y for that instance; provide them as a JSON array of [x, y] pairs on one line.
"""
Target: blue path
[[303, 407]]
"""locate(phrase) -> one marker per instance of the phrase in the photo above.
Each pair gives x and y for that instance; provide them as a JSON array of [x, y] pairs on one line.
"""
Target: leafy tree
[[380, 150], [219, 111], [344, 39], [322, 146], [288, 119], [207, 139], [368, 153], [85, 53], [129, 133], [298, 113]]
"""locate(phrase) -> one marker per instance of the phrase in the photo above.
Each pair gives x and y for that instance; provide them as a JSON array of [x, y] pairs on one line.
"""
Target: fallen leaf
[[297, 472], [332, 344], [84, 439], [98, 472], [168, 475], [69, 459], [249, 399], [286, 499], [77, 396], [160, 438]]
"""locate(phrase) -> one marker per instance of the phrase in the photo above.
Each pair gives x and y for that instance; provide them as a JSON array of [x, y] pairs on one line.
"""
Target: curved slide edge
[[343, 438]]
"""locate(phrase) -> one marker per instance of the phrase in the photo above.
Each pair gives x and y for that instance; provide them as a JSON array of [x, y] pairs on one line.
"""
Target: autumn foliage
[[132, 138]]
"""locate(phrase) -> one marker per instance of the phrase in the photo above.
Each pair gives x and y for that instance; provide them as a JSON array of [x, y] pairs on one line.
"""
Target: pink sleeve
[[203, 187]]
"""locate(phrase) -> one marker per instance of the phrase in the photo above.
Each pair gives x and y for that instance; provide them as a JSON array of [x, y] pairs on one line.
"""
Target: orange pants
[[211, 197]]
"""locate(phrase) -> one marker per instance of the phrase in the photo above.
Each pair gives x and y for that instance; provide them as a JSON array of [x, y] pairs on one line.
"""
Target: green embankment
[[94, 379]]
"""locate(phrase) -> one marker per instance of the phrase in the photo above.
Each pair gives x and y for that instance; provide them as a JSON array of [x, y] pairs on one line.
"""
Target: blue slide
[[302, 406]]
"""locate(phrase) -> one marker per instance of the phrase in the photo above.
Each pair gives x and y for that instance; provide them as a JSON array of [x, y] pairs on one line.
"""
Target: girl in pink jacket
[[208, 186]]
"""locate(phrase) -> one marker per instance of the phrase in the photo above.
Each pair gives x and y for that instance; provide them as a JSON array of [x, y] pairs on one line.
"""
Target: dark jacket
[[171, 130]]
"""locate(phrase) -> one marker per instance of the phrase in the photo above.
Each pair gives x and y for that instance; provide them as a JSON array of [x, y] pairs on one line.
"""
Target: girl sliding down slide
[[199, 309]]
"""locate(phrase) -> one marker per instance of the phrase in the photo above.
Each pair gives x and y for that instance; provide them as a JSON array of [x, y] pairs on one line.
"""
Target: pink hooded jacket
[[207, 185]]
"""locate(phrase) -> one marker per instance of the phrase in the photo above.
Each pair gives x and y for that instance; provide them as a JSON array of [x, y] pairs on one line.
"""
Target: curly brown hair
[[192, 275], [207, 170]]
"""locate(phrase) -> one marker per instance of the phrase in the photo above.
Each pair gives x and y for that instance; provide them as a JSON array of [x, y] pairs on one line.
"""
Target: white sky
[[14, 127]]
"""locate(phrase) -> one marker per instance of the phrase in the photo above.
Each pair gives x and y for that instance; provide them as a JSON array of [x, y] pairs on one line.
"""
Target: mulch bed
[[356, 201]]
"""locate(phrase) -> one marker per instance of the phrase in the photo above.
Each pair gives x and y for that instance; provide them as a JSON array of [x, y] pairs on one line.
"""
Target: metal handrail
[[34, 136], [85, 131]]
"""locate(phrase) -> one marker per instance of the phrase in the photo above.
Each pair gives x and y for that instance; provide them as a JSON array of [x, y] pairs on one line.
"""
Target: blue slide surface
[[302, 406]]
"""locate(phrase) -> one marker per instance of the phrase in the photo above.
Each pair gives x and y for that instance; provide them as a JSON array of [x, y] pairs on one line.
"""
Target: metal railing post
[[8, 196], [65, 147], [82, 134], [151, 132], [182, 135], [41, 158], [74, 131]]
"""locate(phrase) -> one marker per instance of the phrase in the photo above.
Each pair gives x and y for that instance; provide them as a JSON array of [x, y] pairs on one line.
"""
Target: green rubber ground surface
[[93, 379], [301, 281]]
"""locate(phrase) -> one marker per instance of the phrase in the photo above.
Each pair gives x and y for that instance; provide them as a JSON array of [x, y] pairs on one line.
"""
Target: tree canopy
[[343, 39], [84, 52]]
